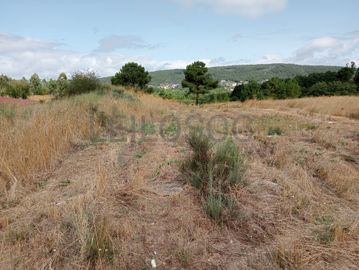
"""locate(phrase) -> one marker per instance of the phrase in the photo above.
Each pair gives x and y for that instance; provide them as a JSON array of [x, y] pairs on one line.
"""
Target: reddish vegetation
[[15, 101]]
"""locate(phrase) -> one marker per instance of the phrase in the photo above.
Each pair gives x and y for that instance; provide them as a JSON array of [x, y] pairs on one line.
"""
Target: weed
[[98, 243], [65, 183], [289, 257], [214, 207], [311, 127], [41, 185], [184, 256], [272, 131], [325, 220], [170, 129], [139, 154], [149, 129]]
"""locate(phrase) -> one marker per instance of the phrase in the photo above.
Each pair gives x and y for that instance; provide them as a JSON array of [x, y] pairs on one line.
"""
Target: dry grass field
[[95, 182], [336, 106]]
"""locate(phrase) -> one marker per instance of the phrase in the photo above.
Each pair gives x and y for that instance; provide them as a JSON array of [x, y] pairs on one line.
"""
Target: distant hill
[[241, 72]]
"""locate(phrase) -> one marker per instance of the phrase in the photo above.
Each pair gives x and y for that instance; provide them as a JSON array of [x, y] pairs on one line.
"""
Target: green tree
[[346, 74], [243, 92], [62, 85], [132, 74], [356, 78], [198, 80], [52, 86], [4, 84], [35, 84]]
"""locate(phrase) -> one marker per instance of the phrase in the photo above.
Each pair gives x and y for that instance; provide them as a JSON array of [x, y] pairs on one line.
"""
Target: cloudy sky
[[49, 36]]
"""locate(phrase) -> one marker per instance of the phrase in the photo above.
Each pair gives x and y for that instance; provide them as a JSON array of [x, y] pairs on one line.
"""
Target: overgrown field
[[118, 181]]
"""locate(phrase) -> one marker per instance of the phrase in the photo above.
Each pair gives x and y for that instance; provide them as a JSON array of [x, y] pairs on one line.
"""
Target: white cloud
[[114, 42], [20, 56], [270, 59], [248, 8], [333, 50]]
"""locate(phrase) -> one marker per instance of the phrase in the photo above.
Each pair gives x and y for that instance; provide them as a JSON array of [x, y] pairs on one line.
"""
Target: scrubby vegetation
[[185, 96], [80, 82], [214, 170]]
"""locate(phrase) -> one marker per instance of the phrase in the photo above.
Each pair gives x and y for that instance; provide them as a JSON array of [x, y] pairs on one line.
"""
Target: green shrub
[[82, 83], [274, 131], [215, 95], [176, 94], [214, 170], [18, 89], [149, 129]]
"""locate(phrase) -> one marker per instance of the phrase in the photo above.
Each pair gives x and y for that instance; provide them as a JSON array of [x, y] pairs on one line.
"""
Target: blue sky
[[48, 36]]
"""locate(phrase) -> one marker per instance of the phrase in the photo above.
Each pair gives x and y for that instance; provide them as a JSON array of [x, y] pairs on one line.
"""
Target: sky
[[49, 37]]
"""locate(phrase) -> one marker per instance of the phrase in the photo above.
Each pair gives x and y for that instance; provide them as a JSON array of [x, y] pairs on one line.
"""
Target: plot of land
[[118, 203]]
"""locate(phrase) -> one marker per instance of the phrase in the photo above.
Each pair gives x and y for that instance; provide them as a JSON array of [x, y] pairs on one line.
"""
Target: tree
[[52, 86], [35, 84], [132, 74], [4, 84], [356, 78], [198, 80], [345, 74], [62, 85]]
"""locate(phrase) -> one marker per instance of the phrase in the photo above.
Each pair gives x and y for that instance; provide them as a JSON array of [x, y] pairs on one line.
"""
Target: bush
[[274, 131], [18, 89], [81, 83], [214, 170], [176, 94], [215, 95]]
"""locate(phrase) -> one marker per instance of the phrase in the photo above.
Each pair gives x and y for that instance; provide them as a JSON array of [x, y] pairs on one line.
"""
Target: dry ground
[[117, 204]]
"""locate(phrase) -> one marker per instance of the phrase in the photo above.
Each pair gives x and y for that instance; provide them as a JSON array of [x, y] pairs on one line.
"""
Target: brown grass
[[41, 98], [346, 106], [34, 138]]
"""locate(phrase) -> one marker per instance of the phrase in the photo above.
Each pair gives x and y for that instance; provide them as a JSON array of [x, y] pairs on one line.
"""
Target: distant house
[[230, 85], [169, 86]]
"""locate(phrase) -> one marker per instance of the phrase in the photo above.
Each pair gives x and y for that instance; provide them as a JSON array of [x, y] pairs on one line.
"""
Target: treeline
[[343, 82], [80, 82]]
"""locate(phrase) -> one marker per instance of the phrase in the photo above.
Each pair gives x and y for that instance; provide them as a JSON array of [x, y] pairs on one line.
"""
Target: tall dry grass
[[346, 106], [34, 138]]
